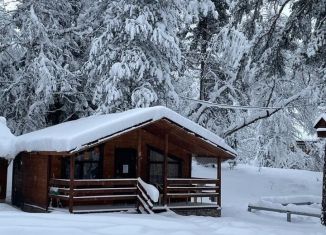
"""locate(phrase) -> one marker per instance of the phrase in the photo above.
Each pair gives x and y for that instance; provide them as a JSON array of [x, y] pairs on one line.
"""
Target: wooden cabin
[[100, 164], [320, 125]]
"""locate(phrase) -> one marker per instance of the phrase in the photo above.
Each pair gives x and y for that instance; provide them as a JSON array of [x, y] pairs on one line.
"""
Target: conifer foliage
[[65, 59]]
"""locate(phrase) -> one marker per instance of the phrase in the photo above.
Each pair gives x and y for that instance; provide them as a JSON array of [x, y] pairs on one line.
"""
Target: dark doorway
[[3, 178], [125, 163], [17, 184]]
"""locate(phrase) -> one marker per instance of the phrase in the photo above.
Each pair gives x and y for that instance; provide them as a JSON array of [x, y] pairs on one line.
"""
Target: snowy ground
[[240, 186]]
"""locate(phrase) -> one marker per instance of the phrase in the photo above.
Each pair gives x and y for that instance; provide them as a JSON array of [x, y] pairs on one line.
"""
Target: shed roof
[[73, 135], [322, 117]]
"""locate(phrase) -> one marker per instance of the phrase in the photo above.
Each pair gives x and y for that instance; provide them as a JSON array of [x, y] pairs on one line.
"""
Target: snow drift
[[7, 140]]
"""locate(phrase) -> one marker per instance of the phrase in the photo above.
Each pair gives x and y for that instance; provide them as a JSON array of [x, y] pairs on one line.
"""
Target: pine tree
[[9, 57], [135, 53], [49, 89]]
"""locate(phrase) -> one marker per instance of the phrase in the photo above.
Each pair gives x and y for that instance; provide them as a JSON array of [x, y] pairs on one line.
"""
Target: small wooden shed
[[320, 125], [112, 162]]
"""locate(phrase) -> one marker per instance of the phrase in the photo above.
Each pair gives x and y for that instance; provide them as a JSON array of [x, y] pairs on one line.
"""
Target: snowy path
[[240, 186]]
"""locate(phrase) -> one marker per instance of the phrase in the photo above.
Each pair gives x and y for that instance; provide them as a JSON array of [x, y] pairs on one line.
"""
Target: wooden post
[[48, 180], [139, 153], [219, 180], [288, 216], [323, 202], [165, 168], [71, 183]]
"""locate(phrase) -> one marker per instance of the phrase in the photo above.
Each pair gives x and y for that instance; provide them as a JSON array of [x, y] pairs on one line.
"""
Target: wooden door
[[125, 163]]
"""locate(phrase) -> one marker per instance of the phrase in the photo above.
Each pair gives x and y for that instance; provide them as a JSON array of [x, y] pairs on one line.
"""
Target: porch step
[[105, 210], [160, 209]]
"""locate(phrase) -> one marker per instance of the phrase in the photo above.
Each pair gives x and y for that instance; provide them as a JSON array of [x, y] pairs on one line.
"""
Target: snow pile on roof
[[323, 116], [73, 135], [7, 140]]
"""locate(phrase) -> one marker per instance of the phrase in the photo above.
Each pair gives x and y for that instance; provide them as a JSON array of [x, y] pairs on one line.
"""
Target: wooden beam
[[139, 152], [51, 153], [219, 176], [71, 183], [200, 141], [186, 140], [48, 181], [165, 168]]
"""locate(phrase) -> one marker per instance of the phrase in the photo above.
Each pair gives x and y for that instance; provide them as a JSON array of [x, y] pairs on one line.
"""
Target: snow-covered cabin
[[320, 125], [139, 159]]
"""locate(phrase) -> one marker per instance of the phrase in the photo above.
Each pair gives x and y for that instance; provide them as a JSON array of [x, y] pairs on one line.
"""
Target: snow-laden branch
[[246, 121]]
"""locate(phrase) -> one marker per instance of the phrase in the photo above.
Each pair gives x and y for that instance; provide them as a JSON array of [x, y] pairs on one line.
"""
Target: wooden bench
[[288, 212]]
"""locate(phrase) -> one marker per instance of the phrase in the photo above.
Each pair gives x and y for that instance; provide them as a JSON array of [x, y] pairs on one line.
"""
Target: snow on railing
[[151, 190]]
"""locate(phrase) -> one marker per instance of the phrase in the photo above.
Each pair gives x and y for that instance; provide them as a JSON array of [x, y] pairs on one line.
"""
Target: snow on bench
[[306, 205]]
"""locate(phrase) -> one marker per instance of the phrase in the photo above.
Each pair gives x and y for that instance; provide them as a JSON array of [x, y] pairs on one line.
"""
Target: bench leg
[[288, 216]]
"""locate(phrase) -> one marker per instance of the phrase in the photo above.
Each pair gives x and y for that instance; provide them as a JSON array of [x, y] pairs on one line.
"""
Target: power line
[[226, 106]]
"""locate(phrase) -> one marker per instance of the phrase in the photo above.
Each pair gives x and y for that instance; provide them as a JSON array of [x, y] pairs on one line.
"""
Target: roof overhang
[[187, 140]]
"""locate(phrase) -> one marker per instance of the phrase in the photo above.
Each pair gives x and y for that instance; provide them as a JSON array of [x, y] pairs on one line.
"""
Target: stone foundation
[[213, 212]]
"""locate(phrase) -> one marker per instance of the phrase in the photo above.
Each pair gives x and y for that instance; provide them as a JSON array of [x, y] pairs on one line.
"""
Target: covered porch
[[163, 153]]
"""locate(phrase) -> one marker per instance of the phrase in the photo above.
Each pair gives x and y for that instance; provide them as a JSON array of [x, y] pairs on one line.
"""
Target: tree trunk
[[323, 203], [203, 27]]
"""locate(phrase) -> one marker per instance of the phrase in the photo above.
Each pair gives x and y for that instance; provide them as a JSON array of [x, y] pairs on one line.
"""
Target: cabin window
[[88, 165], [156, 166]]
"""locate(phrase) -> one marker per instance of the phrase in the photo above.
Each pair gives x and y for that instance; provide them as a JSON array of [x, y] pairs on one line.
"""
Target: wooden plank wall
[[130, 140], [35, 187], [30, 183]]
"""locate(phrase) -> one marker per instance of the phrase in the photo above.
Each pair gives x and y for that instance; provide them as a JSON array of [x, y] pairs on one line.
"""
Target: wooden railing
[[96, 190], [192, 189], [144, 201]]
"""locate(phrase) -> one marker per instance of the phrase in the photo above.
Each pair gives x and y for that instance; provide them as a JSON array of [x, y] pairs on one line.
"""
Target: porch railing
[[113, 191], [95, 190], [192, 189]]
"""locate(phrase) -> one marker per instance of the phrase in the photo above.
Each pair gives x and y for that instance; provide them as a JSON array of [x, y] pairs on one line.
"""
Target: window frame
[[65, 164], [175, 161]]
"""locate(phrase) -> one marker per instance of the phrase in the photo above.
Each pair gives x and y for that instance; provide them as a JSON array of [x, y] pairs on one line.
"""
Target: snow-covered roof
[[321, 117], [72, 135], [7, 140]]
